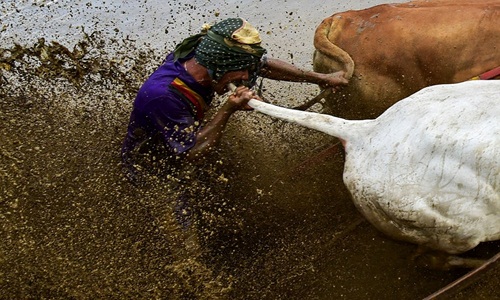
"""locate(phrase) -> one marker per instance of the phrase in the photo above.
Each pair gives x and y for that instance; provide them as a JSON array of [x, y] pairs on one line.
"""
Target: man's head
[[231, 45]]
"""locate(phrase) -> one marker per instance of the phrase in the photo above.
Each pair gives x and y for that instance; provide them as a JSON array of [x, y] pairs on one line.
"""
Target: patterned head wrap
[[230, 45]]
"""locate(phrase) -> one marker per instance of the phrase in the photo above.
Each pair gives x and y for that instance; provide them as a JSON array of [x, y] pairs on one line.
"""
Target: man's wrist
[[229, 108]]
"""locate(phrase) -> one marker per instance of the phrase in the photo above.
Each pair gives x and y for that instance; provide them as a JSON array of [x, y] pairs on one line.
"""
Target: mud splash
[[73, 227], [271, 220]]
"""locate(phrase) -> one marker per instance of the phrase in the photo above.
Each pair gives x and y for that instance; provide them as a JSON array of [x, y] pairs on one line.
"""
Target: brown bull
[[391, 51]]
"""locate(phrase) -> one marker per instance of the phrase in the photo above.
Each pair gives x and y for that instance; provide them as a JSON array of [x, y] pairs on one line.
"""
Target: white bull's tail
[[345, 130]]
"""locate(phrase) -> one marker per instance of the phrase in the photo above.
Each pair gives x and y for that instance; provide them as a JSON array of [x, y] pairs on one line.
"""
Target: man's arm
[[211, 134], [280, 70]]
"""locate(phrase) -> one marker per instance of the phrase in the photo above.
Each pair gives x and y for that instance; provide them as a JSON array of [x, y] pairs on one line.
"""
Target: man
[[165, 127]]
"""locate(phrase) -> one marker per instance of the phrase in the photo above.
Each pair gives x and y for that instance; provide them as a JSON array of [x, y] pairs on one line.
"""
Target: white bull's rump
[[427, 170]]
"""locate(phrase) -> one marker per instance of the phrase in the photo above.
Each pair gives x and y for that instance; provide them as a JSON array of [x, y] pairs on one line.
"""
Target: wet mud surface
[[272, 217]]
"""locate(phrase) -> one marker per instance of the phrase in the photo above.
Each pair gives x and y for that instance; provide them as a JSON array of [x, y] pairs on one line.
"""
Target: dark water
[[272, 217]]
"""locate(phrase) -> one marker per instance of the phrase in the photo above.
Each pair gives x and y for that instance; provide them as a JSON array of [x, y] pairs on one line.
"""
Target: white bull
[[427, 170]]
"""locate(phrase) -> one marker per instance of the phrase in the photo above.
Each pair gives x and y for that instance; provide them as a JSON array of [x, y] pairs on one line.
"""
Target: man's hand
[[333, 80], [238, 100]]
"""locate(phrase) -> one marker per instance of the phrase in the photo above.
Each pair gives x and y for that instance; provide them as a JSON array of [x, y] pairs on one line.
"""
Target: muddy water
[[272, 218]]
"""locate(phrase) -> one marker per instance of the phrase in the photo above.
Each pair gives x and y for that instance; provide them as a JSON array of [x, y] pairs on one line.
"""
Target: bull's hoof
[[441, 261]]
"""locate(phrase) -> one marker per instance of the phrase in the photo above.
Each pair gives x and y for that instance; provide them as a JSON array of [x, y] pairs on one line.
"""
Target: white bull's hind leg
[[438, 260]]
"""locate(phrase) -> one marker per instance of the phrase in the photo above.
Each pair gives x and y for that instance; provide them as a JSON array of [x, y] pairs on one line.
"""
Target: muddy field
[[272, 219]]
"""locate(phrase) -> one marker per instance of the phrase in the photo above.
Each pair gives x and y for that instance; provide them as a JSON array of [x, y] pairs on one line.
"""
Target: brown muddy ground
[[273, 220]]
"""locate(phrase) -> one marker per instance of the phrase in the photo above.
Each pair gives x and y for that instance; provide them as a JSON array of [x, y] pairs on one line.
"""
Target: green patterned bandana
[[230, 45]]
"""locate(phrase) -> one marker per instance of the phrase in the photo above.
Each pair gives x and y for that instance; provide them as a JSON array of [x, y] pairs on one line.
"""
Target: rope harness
[[491, 74]]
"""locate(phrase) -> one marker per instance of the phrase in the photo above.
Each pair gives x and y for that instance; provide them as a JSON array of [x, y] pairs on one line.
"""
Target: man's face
[[236, 77]]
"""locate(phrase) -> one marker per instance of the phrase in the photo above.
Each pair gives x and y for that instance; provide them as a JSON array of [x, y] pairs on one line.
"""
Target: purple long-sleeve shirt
[[167, 113]]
